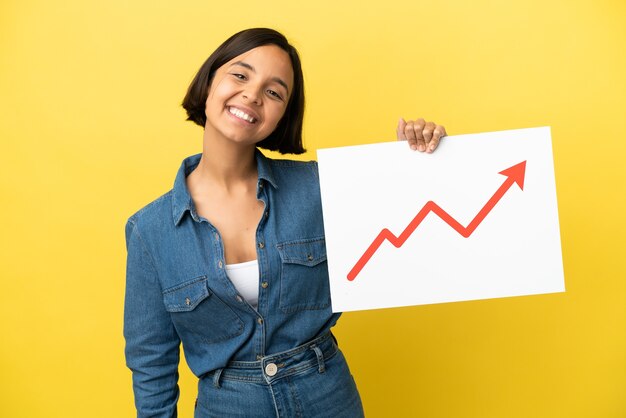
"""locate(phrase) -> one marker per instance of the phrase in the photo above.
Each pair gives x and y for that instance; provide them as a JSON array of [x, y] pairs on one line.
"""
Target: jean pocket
[[194, 308], [304, 275]]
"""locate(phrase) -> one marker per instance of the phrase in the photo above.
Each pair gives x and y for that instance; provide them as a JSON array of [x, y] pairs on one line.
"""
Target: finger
[[438, 133], [418, 128], [429, 128], [400, 130], [409, 134]]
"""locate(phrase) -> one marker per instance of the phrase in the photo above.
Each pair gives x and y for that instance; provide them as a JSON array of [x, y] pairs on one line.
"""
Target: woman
[[232, 261]]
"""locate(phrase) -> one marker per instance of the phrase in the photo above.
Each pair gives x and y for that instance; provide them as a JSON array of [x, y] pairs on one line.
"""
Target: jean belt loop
[[320, 358], [216, 377]]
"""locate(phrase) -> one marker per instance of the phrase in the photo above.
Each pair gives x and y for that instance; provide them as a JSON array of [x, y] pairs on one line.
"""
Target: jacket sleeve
[[152, 344]]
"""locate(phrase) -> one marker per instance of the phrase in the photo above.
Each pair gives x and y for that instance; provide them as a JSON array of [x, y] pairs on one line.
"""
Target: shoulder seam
[[144, 248]]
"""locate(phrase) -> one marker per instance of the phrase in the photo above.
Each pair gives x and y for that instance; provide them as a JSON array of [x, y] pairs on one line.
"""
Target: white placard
[[476, 219]]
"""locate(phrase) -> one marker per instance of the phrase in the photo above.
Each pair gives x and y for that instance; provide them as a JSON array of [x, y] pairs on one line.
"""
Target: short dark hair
[[287, 137]]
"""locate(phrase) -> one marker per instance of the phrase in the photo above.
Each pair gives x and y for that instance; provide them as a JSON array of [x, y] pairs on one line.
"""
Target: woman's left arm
[[421, 135]]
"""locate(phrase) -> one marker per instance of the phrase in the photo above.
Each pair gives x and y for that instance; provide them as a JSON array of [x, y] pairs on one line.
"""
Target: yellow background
[[91, 130]]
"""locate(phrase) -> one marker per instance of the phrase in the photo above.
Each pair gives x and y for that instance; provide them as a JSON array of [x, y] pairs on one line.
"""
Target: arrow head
[[516, 173]]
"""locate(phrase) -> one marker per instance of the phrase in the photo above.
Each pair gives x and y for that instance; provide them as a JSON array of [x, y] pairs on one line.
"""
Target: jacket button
[[220, 264], [309, 257], [261, 245], [260, 321], [264, 285], [187, 301], [271, 369]]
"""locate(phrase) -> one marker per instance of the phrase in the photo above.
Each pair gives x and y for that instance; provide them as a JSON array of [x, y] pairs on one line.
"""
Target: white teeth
[[241, 115]]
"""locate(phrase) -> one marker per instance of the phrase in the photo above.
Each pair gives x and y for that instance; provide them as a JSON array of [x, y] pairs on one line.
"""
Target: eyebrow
[[251, 68]]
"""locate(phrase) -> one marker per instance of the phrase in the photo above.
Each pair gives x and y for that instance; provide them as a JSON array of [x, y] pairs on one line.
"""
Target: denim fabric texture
[[310, 381], [177, 289]]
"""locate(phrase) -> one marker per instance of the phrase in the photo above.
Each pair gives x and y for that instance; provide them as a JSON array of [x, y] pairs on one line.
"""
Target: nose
[[252, 94]]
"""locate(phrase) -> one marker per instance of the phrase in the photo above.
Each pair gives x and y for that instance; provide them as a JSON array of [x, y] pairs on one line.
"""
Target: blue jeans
[[312, 380]]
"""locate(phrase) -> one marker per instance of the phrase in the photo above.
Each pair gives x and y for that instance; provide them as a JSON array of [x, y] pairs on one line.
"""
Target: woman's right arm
[[152, 344]]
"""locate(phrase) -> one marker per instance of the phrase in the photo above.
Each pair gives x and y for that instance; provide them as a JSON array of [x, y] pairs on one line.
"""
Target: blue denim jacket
[[177, 289]]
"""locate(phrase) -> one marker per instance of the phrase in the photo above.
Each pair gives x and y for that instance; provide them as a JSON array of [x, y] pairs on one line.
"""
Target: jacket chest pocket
[[194, 308], [304, 275]]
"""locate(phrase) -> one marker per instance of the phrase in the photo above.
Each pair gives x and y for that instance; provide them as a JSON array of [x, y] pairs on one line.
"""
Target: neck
[[226, 164]]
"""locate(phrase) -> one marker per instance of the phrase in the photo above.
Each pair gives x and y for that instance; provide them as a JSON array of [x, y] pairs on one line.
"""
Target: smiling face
[[248, 95]]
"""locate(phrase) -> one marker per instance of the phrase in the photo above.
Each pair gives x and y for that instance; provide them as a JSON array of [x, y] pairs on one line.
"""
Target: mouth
[[238, 113]]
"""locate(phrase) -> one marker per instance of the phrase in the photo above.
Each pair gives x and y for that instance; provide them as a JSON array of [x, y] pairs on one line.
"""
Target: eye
[[274, 94], [239, 76]]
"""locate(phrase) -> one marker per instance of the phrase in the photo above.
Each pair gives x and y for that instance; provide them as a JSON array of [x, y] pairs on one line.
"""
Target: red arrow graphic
[[515, 174]]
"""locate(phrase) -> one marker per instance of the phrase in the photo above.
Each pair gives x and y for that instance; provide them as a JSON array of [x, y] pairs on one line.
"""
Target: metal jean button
[[271, 369]]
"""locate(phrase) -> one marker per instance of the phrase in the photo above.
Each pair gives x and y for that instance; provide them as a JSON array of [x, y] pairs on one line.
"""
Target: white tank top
[[245, 277]]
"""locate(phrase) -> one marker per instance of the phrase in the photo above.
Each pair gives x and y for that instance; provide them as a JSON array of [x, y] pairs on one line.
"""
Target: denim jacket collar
[[181, 199]]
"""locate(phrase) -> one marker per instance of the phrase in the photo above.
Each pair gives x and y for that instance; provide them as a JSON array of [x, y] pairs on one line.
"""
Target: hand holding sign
[[421, 135], [465, 234]]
